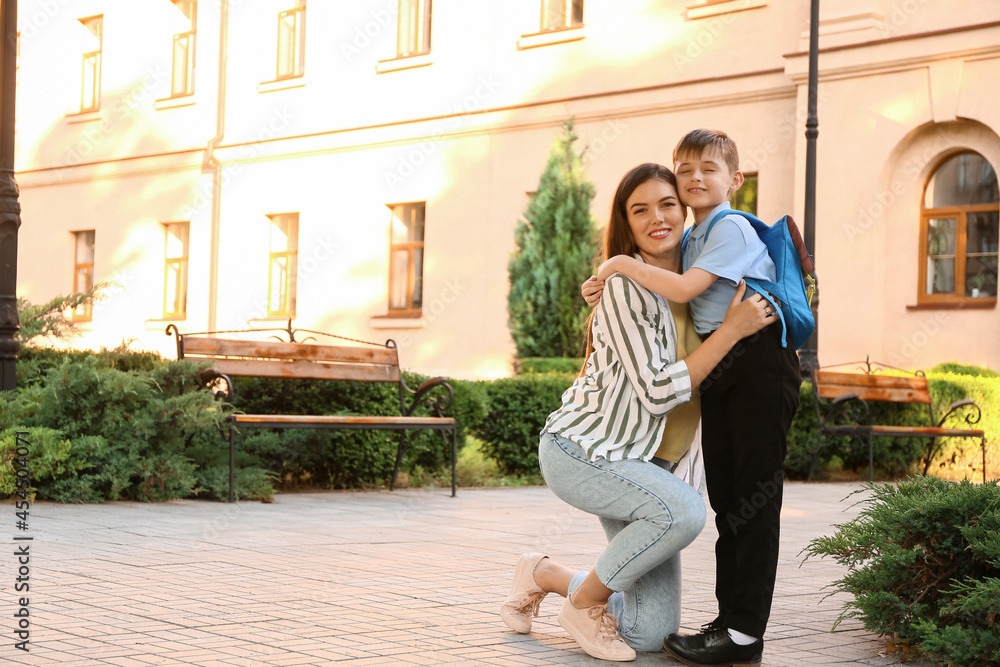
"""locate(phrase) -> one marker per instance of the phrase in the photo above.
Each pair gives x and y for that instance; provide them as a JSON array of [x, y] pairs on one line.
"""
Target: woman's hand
[[592, 289], [745, 318]]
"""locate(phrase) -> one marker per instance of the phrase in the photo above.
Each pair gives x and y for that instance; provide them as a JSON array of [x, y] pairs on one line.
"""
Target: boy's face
[[704, 181]]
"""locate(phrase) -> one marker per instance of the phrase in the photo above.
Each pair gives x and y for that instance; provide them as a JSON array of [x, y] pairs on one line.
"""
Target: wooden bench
[[850, 392], [369, 362]]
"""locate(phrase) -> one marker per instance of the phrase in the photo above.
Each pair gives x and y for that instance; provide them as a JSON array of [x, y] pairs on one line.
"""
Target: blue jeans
[[648, 514]]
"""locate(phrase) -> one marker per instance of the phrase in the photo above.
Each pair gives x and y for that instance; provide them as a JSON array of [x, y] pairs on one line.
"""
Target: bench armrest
[[438, 404], [851, 406], [214, 379], [973, 415]]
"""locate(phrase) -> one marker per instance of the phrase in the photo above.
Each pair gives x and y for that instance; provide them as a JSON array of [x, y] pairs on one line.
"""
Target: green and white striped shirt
[[616, 409]]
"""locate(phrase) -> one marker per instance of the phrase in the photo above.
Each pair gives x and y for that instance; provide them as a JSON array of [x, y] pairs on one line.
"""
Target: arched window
[[959, 218]]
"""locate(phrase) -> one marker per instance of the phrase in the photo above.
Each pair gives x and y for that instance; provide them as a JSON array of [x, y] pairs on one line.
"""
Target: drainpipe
[[212, 165]]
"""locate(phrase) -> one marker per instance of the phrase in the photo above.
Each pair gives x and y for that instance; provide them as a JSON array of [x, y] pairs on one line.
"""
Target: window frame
[[189, 52], [961, 216], [85, 312], [411, 277], [181, 263], [420, 38], [735, 197], [97, 56], [289, 294], [567, 18], [298, 65]]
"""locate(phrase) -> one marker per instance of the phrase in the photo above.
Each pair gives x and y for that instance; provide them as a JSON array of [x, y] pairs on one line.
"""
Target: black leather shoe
[[713, 649]]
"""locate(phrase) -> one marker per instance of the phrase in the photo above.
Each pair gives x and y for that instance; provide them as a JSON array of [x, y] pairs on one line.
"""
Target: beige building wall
[[467, 129]]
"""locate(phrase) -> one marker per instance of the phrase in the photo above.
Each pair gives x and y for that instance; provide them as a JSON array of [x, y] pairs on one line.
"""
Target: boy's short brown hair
[[696, 141]]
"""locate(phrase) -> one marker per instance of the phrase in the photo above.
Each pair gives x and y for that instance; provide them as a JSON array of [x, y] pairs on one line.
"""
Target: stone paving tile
[[406, 578]]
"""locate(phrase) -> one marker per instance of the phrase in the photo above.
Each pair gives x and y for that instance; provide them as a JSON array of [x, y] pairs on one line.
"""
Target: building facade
[[360, 167]]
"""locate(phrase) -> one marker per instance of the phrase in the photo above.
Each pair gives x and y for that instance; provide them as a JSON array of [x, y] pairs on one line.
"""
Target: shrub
[[923, 563], [567, 365], [957, 368], [517, 410], [103, 434]]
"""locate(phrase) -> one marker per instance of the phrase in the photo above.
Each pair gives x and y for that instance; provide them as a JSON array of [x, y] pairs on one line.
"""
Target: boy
[[747, 402]]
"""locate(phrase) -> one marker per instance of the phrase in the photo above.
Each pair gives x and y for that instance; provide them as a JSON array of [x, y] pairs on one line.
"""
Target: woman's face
[[656, 218]]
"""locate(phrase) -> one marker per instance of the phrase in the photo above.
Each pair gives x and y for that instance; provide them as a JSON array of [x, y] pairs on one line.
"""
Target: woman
[[595, 449]]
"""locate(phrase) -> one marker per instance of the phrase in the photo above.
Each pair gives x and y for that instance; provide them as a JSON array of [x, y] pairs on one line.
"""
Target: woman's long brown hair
[[618, 238]]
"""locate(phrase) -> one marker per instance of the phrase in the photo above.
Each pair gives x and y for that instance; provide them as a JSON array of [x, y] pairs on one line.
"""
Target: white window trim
[[558, 36], [702, 10]]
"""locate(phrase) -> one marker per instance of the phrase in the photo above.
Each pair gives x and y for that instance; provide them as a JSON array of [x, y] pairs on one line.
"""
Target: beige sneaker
[[525, 595], [596, 631]]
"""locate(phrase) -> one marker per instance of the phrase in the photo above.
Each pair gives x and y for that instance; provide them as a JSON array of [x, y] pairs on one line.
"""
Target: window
[[182, 68], [283, 264], [414, 34], [406, 259], [745, 199], [558, 14], [959, 217], [175, 273], [292, 41], [83, 271], [93, 40]]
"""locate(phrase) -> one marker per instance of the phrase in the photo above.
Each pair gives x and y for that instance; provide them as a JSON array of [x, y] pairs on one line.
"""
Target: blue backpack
[[794, 285]]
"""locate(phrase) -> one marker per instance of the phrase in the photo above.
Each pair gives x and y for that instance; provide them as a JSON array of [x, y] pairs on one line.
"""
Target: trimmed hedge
[[548, 365], [923, 561], [517, 409]]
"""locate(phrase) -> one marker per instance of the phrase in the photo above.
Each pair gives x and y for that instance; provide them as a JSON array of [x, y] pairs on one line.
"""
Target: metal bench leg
[[983, 445], [815, 456], [232, 463], [400, 450], [454, 460], [871, 459]]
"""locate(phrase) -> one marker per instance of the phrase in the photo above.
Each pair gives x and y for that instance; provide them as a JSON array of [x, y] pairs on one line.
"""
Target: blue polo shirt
[[733, 252]]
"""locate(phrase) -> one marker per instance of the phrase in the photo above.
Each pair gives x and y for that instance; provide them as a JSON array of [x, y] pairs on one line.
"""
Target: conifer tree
[[555, 245]]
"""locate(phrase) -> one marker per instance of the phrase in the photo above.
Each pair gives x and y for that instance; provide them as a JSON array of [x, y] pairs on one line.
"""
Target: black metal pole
[[809, 355], [10, 209]]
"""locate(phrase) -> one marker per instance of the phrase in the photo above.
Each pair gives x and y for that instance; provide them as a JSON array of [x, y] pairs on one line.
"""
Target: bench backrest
[[245, 358], [894, 388]]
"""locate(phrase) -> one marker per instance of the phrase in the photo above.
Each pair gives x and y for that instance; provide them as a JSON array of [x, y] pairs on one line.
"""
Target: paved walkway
[[406, 578]]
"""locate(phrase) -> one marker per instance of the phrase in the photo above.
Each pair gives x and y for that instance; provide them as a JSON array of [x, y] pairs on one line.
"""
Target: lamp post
[[10, 209], [809, 356]]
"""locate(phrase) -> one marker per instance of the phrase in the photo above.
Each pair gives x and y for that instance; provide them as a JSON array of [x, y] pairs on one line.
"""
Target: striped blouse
[[633, 379]]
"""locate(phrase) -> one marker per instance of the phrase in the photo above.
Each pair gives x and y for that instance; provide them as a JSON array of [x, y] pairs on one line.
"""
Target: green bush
[[963, 369], [923, 563], [517, 408], [548, 365]]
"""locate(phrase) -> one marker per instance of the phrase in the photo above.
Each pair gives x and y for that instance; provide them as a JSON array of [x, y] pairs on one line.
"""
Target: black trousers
[[747, 405]]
